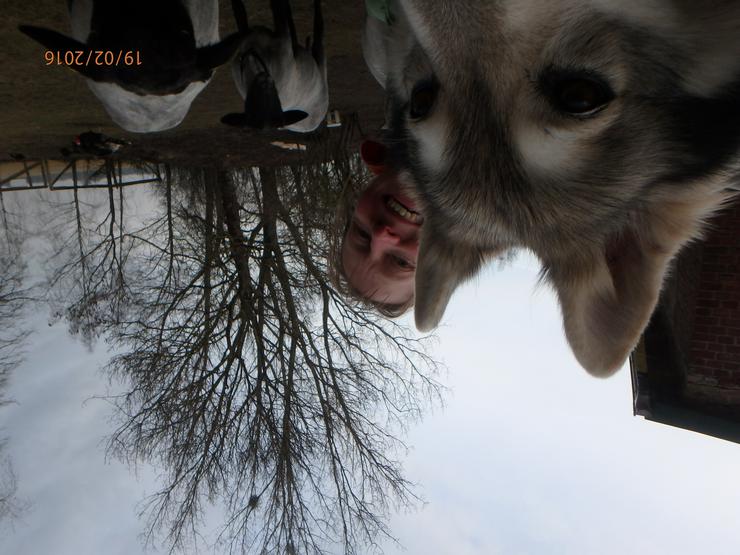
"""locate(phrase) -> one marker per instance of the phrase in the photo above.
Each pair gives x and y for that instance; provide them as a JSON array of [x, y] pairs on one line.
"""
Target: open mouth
[[405, 212]]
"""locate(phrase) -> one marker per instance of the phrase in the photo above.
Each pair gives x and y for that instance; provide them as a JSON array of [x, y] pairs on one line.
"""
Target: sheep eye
[[579, 95], [422, 99]]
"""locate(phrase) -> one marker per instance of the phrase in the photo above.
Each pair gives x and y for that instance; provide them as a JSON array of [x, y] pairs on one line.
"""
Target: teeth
[[402, 211]]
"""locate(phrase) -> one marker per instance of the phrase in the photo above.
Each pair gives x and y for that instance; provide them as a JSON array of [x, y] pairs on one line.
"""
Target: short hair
[[345, 207]]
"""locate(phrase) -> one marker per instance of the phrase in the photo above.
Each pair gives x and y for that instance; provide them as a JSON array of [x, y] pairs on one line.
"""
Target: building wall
[[713, 374]]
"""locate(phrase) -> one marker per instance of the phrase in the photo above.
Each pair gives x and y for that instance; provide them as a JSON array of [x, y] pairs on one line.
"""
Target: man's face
[[382, 242]]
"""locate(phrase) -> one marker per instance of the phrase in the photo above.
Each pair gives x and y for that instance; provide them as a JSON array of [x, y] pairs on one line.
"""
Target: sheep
[[176, 41], [283, 84]]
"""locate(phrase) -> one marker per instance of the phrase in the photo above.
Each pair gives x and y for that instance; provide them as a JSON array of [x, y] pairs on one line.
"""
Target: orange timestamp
[[92, 57]]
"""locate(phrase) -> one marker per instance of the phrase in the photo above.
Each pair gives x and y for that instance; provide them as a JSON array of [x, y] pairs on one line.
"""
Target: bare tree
[[11, 506], [252, 381], [13, 293], [90, 246], [13, 296]]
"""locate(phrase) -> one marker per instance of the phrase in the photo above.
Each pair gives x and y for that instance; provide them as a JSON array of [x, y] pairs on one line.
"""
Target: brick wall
[[714, 356]]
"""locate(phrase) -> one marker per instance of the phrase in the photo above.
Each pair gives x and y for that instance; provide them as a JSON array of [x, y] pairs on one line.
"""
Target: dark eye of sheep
[[578, 94], [422, 99]]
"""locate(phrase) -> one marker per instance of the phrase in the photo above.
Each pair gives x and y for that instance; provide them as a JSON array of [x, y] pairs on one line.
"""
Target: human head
[[376, 261]]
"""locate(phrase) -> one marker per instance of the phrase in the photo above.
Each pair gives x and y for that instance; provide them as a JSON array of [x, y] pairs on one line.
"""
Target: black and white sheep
[[176, 41], [283, 84]]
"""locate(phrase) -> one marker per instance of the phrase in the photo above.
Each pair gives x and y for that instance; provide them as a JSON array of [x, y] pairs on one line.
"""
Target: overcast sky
[[529, 456]]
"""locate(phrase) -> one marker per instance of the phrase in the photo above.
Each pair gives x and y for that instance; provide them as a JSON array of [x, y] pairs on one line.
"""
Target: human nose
[[382, 238], [385, 235]]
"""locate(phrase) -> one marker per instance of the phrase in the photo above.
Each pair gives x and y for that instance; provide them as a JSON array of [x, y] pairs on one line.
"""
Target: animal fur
[[607, 199], [177, 42]]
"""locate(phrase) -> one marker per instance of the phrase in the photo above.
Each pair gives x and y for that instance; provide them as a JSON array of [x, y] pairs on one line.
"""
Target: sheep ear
[[293, 116], [440, 268], [374, 38], [240, 15], [52, 40], [608, 297], [214, 55], [236, 119], [262, 104], [607, 301], [240, 119]]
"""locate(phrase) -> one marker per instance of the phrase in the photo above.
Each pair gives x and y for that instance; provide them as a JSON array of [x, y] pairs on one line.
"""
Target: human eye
[[402, 263], [360, 233]]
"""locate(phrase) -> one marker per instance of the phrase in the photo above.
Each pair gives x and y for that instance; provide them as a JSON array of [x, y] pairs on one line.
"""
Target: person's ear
[[373, 155]]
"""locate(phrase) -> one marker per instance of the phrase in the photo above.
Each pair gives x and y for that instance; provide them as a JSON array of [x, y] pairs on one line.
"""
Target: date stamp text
[[92, 58]]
